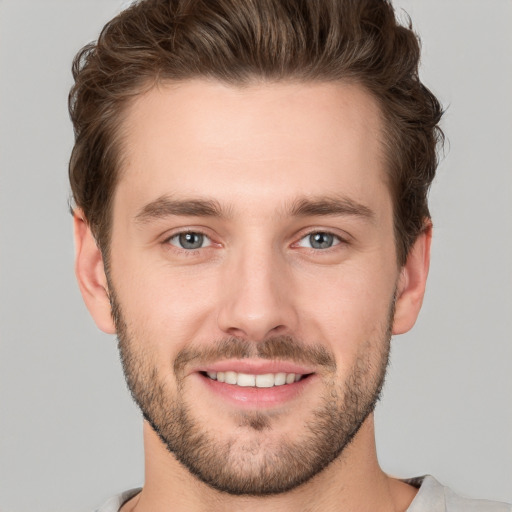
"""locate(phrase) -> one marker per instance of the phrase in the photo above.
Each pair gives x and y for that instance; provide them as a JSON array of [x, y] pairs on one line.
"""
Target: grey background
[[69, 434]]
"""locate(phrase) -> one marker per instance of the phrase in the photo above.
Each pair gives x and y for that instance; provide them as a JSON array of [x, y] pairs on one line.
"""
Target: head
[[152, 42], [252, 183]]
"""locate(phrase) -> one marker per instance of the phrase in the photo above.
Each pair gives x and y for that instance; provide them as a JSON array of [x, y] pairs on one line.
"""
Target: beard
[[251, 464]]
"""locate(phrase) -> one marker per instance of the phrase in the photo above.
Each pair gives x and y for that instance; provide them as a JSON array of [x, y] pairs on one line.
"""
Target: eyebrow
[[323, 206], [334, 206], [165, 206]]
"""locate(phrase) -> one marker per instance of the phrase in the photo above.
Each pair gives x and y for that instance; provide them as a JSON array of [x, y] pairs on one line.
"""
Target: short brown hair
[[238, 42]]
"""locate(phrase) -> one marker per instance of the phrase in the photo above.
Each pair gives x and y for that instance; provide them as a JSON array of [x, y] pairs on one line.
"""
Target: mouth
[[265, 380], [256, 385]]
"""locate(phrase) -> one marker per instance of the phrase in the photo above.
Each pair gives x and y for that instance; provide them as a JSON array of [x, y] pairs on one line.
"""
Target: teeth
[[246, 380], [290, 378], [280, 379], [266, 380], [231, 377]]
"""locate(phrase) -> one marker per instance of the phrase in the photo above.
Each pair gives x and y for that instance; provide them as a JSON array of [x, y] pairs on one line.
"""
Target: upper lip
[[254, 367]]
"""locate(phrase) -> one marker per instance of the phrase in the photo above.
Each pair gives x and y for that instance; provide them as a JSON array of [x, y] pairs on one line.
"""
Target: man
[[251, 220]]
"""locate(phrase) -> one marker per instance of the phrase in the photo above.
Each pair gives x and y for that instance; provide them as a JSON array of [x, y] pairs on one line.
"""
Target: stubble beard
[[244, 465]]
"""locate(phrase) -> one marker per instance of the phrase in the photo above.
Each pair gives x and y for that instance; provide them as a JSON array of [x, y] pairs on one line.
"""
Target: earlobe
[[90, 273], [412, 282]]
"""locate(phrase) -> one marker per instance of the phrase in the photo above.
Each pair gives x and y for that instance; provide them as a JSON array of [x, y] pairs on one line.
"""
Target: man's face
[[253, 274]]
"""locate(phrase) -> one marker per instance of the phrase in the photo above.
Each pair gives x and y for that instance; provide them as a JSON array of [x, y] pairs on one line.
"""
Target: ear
[[90, 274], [412, 282]]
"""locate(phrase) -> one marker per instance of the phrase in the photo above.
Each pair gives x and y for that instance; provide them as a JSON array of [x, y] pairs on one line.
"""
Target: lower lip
[[260, 398]]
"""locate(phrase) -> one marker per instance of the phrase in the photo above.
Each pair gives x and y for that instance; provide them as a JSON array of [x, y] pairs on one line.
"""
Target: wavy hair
[[242, 41]]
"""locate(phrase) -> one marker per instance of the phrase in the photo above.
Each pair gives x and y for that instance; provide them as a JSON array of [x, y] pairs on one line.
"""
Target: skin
[[256, 151]]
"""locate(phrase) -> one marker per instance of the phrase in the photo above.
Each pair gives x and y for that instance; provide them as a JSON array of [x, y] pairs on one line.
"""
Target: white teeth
[[266, 380], [280, 379], [231, 377], [246, 380], [290, 377]]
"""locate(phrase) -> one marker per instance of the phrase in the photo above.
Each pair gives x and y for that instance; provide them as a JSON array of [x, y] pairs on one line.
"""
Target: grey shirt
[[431, 497]]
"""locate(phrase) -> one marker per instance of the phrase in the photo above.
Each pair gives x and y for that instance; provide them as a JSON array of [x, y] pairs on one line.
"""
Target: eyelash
[[338, 240], [168, 240]]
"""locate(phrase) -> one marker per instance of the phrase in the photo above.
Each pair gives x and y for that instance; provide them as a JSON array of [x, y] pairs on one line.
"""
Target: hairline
[[145, 86]]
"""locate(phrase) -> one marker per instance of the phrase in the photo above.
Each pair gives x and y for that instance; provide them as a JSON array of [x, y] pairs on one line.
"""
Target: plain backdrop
[[69, 433]]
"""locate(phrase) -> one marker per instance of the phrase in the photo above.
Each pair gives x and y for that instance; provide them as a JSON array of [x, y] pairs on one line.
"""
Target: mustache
[[276, 348]]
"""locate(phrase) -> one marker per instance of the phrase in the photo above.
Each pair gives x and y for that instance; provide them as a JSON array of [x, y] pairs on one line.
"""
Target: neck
[[354, 481]]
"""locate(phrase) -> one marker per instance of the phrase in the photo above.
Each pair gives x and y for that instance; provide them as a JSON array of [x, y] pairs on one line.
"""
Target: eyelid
[[339, 238], [166, 239], [177, 235]]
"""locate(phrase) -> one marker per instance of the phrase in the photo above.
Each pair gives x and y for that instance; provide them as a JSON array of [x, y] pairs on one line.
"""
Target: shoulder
[[116, 502], [435, 497]]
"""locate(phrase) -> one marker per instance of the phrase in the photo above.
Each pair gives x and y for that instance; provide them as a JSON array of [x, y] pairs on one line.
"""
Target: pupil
[[321, 240], [191, 240]]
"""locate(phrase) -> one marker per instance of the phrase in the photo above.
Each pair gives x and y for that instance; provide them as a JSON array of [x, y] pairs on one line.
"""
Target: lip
[[254, 367], [253, 398]]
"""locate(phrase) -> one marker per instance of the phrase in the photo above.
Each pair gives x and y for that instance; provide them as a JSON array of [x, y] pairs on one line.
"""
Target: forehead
[[252, 142]]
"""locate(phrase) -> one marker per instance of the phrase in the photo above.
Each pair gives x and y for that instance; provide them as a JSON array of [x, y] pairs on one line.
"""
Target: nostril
[[256, 316]]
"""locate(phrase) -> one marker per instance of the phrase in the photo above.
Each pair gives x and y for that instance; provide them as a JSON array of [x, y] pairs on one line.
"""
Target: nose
[[258, 296]]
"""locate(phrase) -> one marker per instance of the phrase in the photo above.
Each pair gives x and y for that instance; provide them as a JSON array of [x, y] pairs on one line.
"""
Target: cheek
[[341, 306], [350, 308], [162, 306]]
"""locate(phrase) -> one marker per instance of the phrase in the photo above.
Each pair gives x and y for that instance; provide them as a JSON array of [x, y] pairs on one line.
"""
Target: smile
[[256, 384], [266, 380]]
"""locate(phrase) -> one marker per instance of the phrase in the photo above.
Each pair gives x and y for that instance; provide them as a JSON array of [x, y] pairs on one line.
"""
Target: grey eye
[[319, 240], [190, 240]]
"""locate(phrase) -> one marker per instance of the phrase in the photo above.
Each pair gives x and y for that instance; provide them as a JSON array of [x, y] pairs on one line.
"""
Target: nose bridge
[[256, 300]]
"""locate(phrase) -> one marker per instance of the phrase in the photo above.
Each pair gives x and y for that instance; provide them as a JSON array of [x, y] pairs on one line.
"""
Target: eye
[[319, 240], [190, 240]]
